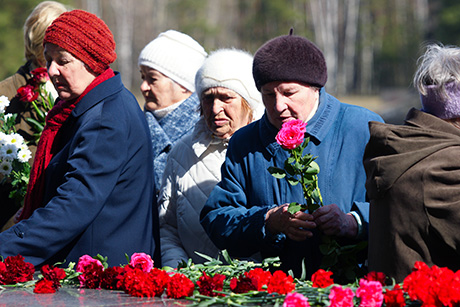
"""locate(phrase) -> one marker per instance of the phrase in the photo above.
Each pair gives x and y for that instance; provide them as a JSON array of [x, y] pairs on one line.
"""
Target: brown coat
[[413, 182], [9, 87]]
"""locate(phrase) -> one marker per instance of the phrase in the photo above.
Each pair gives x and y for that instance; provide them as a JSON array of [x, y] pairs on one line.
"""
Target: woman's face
[[224, 111], [160, 91], [69, 75], [285, 101]]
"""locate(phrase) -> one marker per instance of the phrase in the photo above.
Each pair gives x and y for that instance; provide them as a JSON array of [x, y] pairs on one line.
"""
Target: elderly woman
[[34, 31], [90, 190], [229, 100], [168, 65], [413, 175], [246, 212]]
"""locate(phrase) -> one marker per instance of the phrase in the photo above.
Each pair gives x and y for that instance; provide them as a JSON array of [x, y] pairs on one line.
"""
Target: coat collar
[[202, 138], [107, 88]]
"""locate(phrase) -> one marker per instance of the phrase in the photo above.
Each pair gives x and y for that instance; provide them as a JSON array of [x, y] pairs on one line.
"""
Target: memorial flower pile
[[238, 283]]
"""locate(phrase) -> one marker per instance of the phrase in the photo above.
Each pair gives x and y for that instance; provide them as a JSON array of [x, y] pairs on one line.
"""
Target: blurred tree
[[448, 22], [13, 14], [368, 45]]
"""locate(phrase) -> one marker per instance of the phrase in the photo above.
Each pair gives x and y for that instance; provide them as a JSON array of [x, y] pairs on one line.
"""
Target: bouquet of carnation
[[298, 168], [39, 93], [14, 154]]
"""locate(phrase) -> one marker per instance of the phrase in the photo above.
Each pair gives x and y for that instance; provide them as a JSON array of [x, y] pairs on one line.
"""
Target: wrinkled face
[[69, 75], [285, 101], [224, 111], [160, 91]]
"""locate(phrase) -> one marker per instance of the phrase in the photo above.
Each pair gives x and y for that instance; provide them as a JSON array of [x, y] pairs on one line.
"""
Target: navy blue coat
[[98, 186]]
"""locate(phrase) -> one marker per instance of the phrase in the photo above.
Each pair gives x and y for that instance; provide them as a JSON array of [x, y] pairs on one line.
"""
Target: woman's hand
[[294, 226]]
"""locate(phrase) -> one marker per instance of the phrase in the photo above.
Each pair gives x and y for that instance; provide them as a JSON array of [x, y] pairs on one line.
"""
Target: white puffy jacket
[[192, 170]]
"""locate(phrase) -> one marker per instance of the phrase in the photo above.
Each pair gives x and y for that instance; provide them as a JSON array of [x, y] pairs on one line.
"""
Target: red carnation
[[110, 278], [395, 297], [179, 286], [139, 283], [262, 277], [322, 279], [281, 283], [44, 286], [243, 284], [91, 276], [207, 284], [15, 269], [53, 274], [27, 93], [433, 286]]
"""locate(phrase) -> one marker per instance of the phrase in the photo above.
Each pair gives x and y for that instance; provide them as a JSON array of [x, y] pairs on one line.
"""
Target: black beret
[[289, 58]]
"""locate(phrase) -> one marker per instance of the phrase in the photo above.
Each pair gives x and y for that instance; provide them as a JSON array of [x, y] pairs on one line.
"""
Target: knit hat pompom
[[231, 69], [176, 55], [85, 36], [289, 58]]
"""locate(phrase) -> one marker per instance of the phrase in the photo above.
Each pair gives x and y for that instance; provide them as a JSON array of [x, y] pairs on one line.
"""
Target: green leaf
[[313, 169], [294, 208], [209, 258], [38, 126], [292, 181], [227, 257], [276, 172], [317, 196], [289, 169]]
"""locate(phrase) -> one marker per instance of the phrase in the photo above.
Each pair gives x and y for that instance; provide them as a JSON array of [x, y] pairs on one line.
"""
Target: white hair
[[439, 66]]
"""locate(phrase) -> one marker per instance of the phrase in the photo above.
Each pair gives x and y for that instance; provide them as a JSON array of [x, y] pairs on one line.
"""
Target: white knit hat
[[232, 69], [176, 55]]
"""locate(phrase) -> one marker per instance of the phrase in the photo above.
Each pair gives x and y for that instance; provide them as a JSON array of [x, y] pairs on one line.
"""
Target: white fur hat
[[176, 55], [232, 69]]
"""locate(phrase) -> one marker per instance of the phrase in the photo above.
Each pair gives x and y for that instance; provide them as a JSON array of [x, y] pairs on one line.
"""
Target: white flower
[[16, 139], [5, 168], [4, 103], [9, 152], [24, 155], [8, 116]]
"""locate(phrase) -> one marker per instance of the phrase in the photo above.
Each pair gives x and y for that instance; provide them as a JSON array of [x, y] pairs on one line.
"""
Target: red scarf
[[45, 151]]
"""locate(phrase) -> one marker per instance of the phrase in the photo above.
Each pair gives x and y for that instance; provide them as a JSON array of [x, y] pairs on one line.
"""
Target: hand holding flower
[[333, 222], [296, 226]]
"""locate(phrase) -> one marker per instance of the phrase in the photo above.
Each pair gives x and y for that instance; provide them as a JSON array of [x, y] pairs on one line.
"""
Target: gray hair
[[439, 66]]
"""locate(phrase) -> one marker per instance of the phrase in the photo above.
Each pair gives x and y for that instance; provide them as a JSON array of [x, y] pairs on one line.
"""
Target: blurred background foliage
[[370, 45]]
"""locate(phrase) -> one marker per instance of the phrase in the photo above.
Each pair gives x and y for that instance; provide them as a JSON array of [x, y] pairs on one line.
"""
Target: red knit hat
[[85, 36]]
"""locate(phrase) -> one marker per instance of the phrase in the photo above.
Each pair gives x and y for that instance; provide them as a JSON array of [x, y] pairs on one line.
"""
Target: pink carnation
[[370, 293], [142, 261], [292, 134], [341, 297], [85, 262], [295, 299]]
